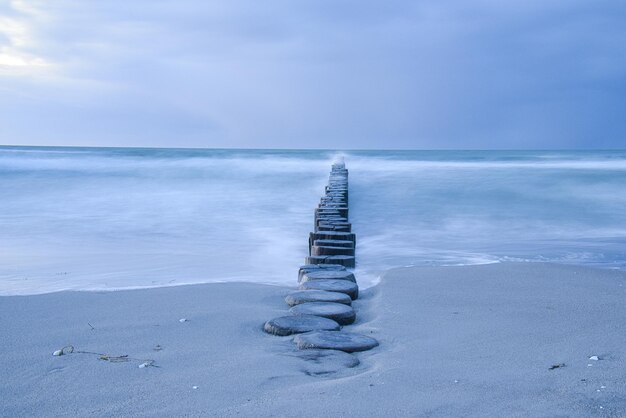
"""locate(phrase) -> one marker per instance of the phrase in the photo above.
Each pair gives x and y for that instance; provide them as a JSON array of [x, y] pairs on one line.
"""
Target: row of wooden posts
[[327, 287]]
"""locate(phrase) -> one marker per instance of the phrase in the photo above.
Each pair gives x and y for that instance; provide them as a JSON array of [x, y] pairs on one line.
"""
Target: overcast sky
[[314, 73]]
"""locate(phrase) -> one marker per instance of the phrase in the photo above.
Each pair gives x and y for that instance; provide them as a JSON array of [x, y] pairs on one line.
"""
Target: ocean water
[[115, 218]]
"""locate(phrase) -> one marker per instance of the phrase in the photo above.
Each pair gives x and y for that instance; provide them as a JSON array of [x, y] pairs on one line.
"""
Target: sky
[[348, 74]]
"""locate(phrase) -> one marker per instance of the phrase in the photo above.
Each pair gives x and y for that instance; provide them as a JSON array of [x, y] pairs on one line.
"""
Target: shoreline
[[471, 340], [373, 279]]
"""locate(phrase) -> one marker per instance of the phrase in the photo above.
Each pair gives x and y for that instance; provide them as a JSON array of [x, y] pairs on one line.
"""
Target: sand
[[454, 341]]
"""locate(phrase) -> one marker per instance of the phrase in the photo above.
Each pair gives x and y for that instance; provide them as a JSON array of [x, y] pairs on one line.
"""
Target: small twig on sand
[[69, 349], [115, 359]]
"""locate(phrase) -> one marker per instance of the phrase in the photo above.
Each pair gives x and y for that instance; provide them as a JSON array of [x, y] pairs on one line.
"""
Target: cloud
[[330, 74], [16, 40]]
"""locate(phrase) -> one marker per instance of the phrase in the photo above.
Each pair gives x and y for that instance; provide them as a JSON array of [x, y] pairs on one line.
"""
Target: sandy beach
[[510, 339]]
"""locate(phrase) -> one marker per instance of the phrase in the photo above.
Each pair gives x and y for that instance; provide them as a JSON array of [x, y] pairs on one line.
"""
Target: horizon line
[[308, 149]]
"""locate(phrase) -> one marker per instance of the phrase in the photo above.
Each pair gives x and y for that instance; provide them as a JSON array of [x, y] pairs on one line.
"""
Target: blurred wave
[[113, 218]]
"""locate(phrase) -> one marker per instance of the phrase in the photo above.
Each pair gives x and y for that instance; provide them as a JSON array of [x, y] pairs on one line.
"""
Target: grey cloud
[[330, 74]]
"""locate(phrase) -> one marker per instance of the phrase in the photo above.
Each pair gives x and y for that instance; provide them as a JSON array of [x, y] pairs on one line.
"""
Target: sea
[[101, 219]]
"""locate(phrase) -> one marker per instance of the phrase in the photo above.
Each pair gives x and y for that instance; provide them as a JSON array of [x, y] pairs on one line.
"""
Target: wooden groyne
[[332, 241], [323, 303]]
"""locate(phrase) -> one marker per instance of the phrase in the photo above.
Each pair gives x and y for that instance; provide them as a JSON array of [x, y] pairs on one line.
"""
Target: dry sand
[[455, 341]]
